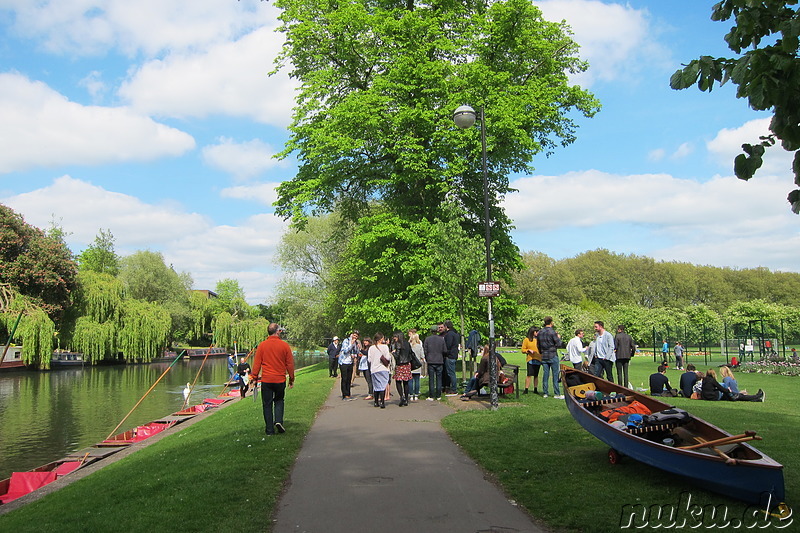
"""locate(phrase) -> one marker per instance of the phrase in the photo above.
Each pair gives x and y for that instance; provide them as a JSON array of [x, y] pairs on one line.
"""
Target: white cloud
[[42, 128], [263, 193], [656, 155], [229, 78], [614, 38], [189, 241], [148, 27], [723, 221], [242, 160], [682, 151], [85, 208], [728, 144]]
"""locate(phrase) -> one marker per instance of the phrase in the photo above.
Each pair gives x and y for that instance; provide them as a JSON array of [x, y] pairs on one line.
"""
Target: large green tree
[[379, 84], [100, 255], [767, 74], [35, 265]]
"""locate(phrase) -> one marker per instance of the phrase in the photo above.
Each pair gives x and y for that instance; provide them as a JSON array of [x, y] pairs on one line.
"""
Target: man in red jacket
[[274, 360]]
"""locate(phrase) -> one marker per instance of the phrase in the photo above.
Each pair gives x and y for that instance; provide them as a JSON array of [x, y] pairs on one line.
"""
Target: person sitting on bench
[[481, 377]]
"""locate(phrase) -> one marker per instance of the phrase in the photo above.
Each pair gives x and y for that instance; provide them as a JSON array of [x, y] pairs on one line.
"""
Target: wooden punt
[[731, 467]]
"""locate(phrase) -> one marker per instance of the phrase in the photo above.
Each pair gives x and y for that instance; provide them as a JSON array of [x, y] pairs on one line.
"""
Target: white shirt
[[575, 350]]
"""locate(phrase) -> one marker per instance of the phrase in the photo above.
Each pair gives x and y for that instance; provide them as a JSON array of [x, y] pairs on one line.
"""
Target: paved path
[[369, 470]]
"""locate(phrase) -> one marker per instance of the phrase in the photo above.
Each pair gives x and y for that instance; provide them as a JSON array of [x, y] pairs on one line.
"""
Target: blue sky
[[156, 120]]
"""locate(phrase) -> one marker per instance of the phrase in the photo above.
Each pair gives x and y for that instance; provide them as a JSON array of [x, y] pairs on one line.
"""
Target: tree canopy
[[768, 75], [100, 255], [379, 84], [36, 265]]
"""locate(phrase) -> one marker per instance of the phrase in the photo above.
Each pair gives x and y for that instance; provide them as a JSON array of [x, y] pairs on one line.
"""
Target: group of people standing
[[598, 357], [404, 358]]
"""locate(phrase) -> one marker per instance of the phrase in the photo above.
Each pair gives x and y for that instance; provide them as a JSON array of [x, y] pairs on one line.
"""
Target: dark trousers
[[333, 365], [368, 377], [622, 371], [434, 380], [272, 395], [347, 378], [244, 386], [607, 367]]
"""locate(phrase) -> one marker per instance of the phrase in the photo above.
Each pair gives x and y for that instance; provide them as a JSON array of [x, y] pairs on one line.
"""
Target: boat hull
[[757, 479]]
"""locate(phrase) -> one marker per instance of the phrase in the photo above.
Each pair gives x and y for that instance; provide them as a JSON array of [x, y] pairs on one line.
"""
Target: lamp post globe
[[464, 117]]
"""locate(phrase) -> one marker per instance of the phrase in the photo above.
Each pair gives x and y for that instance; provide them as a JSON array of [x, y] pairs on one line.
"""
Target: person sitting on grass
[[688, 379], [659, 383], [728, 381], [713, 391]]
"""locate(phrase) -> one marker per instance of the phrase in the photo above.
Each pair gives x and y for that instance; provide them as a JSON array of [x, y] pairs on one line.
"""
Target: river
[[47, 415]]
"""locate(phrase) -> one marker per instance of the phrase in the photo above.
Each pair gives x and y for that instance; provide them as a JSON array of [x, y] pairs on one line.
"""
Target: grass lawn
[[221, 474], [560, 473]]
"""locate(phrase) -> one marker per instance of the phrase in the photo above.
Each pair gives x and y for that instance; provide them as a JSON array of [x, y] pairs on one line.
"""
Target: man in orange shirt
[[274, 360]]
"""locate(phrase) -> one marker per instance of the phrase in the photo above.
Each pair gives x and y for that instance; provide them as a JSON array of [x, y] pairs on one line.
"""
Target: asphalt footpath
[[366, 469]]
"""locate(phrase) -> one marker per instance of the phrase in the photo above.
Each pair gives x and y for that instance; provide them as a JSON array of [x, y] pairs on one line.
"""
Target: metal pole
[[492, 355]]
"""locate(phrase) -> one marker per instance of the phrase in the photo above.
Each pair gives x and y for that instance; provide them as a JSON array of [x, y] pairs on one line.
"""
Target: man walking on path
[[274, 361], [604, 350]]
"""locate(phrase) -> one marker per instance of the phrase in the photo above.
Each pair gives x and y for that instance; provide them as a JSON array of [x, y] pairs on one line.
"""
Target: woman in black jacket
[[401, 351], [712, 390]]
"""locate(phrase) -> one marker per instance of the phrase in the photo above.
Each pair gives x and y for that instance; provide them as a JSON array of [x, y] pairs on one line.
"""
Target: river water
[[47, 415]]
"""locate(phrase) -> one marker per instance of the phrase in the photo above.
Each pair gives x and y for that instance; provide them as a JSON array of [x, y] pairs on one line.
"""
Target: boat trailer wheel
[[613, 456]]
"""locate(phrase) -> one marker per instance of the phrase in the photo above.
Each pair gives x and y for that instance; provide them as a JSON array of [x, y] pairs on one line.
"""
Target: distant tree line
[[110, 307]]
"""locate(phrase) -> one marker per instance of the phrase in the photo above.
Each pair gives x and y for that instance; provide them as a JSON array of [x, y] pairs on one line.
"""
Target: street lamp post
[[465, 118]]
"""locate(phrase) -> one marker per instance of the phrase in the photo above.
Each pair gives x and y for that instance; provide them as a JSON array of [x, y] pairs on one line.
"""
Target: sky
[[157, 121]]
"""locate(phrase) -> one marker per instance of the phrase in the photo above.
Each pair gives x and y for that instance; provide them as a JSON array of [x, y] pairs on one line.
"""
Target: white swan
[[187, 390]]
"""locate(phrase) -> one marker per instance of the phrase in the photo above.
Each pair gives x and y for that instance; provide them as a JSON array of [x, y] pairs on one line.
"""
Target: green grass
[[558, 471], [221, 474]]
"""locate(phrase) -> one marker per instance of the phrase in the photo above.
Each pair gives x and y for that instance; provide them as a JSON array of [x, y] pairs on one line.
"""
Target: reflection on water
[[46, 415]]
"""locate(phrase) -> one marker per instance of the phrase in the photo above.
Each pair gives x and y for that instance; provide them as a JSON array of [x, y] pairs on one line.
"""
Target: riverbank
[[222, 473], [215, 475]]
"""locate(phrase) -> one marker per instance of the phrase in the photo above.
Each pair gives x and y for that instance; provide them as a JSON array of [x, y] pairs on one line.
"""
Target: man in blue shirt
[[348, 355]]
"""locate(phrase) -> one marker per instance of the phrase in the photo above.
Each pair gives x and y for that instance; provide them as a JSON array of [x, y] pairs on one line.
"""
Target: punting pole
[[11, 336], [178, 358]]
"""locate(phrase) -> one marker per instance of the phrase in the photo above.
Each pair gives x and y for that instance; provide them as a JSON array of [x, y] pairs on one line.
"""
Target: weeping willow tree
[[144, 331], [200, 313], [35, 331], [99, 302], [97, 341], [99, 296], [246, 333]]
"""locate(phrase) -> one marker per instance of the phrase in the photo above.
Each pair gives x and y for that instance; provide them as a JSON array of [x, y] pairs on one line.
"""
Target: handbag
[[384, 361], [415, 362]]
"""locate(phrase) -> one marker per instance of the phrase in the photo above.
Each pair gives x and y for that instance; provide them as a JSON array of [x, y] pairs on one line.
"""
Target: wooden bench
[[512, 371]]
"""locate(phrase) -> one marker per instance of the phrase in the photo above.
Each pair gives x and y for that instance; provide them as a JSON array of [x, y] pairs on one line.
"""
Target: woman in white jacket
[[379, 369]]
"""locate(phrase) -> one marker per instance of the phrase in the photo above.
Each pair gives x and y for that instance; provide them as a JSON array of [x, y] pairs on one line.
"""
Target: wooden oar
[[732, 439], [145, 395], [728, 460]]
